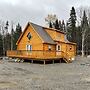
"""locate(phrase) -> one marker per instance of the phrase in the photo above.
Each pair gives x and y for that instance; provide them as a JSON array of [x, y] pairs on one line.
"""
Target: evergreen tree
[[85, 32], [79, 40], [56, 24], [60, 25], [12, 37], [63, 26], [72, 26], [84, 22], [7, 24], [6, 27], [50, 25], [1, 45], [7, 42], [16, 35], [6, 38]]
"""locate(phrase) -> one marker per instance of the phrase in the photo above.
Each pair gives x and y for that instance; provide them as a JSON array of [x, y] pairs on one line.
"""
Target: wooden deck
[[38, 55]]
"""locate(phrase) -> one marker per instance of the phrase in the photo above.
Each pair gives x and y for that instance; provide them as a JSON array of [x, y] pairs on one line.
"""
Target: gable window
[[49, 47], [29, 36]]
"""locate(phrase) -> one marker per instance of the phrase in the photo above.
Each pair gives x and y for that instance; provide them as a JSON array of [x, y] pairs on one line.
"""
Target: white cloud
[[36, 10]]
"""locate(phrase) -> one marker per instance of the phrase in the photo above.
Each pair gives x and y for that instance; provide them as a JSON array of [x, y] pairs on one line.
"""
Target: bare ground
[[59, 76]]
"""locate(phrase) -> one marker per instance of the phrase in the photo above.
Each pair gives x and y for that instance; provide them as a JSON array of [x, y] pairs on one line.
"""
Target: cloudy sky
[[36, 10]]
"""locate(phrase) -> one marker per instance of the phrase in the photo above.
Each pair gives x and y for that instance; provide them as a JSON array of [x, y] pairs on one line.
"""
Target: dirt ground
[[58, 76]]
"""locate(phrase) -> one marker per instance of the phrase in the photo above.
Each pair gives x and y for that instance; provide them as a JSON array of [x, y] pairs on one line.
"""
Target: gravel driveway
[[59, 76]]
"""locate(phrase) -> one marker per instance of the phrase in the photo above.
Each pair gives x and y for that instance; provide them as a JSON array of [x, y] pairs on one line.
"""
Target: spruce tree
[[84, 22], [85, 33], [60, 25], [7, 42], [50, 25], [6, 27], [63, 26], [12, 37], [72, 25], [1, 45], [56, 24], [16, 35]]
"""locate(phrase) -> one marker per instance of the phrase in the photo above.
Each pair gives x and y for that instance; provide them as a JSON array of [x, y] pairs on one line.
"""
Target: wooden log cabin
[[39, 43]]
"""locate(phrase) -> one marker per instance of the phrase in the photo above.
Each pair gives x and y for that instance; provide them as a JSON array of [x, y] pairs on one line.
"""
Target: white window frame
[[29, 47]]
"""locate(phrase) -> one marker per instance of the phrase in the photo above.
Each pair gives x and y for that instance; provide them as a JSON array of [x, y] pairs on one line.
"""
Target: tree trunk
[[82, 44]]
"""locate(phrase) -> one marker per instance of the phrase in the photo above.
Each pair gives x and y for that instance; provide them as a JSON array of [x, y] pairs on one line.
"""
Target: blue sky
[[36, 10]]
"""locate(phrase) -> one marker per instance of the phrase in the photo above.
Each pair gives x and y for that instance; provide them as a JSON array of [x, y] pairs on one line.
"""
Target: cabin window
[[58, 48], [29, 47], [70, 47], [49, 47], [29, 36]]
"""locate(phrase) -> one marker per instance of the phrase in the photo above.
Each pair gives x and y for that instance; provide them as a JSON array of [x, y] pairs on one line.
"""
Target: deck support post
[[53, 61], [32, 61], [44, 62], [60, 61]]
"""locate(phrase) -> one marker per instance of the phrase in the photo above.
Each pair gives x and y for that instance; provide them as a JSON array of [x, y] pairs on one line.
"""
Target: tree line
[[77, 28], [8, 36]]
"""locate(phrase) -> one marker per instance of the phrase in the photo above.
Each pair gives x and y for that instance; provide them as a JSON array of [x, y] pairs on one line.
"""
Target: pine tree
[[60, 25], [85, 29], [1, 45], [72, 26], [16, 35], [50, 25], [79, 40], [84, 22], [6, 27], [6, 38], [12, 37], [63, 26], [56, 24], [7, 42]]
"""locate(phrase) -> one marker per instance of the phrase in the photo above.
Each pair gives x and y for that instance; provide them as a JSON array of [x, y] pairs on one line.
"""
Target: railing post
[[31, 61], [60, 61], [44, 62], [53, 61]]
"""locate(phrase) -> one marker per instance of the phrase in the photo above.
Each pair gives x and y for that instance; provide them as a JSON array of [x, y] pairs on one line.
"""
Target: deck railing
[[35, 54]]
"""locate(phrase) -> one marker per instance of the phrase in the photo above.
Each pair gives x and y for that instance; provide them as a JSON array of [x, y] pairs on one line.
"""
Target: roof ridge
[[47, 27]]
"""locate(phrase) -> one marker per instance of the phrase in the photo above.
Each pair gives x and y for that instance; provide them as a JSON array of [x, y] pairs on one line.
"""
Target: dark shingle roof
[[43, 34]]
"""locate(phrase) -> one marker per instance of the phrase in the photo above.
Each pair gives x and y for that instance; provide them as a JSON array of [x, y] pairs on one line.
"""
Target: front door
[[58, 49]]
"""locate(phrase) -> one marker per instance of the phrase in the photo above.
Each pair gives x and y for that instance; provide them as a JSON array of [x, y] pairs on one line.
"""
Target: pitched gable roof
[[41, 32]]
